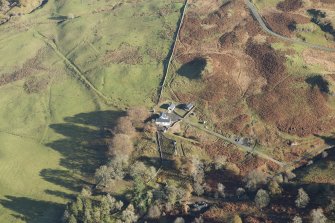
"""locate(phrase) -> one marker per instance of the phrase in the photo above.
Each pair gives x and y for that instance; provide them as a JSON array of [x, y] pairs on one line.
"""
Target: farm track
[[265, 28], [242, 147]]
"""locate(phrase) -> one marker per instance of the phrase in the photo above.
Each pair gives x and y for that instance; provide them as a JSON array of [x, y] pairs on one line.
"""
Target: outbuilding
[[188, 106], [171, 107]]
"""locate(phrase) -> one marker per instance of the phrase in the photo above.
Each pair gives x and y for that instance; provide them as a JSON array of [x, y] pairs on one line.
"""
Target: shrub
[[262, 198]]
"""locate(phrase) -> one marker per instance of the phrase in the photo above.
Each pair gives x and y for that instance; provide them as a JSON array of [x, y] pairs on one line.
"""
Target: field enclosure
[[67, 71]]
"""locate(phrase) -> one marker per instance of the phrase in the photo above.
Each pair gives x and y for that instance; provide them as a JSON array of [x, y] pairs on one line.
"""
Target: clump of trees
[[99, 208], [91, 210]]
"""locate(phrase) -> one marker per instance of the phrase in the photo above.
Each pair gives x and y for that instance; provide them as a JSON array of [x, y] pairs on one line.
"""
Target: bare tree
[[121, 145], [262, 198], [255, 179], [221, 190], [274, 188], [114, 204], [103, 177], [302, 199], [240, 192], [138, 114], [150, 128], [124, 126], [220, 162], [117, 166], [297, 219], [154, 212], [318, 216], [129, 215], [179, 220]]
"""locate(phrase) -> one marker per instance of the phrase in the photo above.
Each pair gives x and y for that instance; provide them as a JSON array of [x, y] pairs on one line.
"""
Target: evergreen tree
[[72, 219], [302, 199]]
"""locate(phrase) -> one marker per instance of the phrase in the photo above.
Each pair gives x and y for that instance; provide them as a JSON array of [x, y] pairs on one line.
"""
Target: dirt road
[[242, 147], [261, 22]]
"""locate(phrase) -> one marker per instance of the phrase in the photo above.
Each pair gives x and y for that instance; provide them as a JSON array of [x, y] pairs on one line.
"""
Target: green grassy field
[[51, 140]]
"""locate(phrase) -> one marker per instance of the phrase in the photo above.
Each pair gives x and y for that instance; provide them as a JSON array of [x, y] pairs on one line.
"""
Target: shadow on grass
[[60, 194], [83, 146], [33, 211], [193, 69], [62, 178], [327, 139]]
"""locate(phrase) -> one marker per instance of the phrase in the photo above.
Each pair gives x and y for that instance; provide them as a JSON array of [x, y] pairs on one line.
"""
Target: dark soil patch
[[289, 5], [269, 63]]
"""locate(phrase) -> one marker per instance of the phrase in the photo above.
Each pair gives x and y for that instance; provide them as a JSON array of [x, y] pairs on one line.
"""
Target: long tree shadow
[[82, 148], [30, 210], [62, 178]]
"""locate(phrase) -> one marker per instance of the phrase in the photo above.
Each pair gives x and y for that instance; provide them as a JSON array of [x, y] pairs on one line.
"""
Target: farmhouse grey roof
[[163, 119]]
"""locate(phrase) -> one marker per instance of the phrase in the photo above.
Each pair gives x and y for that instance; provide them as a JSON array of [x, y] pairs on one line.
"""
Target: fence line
[[161, 87]]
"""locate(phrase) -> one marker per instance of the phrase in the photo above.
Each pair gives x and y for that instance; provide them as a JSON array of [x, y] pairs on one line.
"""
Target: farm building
[[188, 106], [171, 107], [163, 120]]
